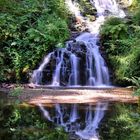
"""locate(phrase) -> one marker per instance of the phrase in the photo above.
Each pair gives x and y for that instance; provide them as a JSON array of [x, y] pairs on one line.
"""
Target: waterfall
[[107, 5], [56, 76], [37, 74], [80, 64], [97, 72]]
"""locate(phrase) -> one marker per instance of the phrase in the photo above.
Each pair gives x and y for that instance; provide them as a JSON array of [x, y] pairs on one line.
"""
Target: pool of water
[[103, 121]]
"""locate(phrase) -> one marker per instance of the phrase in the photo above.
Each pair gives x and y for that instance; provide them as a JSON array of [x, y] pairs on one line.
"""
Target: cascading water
[[74, 70], [108, 5], [56, 76], [79, 64], [37, 74]]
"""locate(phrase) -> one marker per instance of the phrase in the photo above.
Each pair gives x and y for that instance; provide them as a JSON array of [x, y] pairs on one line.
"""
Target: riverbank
[[43, 95]]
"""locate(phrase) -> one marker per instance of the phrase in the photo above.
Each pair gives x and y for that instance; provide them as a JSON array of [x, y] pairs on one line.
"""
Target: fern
[[136, 82]]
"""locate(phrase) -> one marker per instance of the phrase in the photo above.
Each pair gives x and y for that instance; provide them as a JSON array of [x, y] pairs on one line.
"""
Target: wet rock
[[31, 85], [77, 48]]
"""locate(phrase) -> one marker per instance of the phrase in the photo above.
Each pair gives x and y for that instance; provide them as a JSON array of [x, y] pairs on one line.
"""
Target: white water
[[56, 76], [108, 5], [73, 7], [100, 75], [37, 74], [73, 80]]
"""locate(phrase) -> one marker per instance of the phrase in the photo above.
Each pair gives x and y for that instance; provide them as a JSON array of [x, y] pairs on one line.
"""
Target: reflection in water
[[26, 123], [84, 124]]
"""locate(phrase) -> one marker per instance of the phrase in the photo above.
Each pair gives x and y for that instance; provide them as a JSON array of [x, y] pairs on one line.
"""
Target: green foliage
[[135, 6], [121, 40], [136, 82], [29, 31], [114, 28], [136, 18], [5, 5], [137, 93]]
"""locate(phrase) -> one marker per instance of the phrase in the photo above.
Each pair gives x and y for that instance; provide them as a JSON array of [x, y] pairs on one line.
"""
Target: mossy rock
[[86, 7]]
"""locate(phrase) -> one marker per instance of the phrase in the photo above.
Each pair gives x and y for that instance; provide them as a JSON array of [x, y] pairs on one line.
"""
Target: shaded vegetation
[[120, 37], [28, 30]]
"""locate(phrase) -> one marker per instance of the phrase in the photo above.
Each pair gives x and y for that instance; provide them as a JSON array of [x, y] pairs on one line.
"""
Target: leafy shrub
[[28, 32], [121, 40], [136, 13], [114, 28]]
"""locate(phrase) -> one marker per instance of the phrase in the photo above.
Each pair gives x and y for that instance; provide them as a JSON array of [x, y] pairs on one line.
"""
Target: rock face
[[125, 3], [78, 50]]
